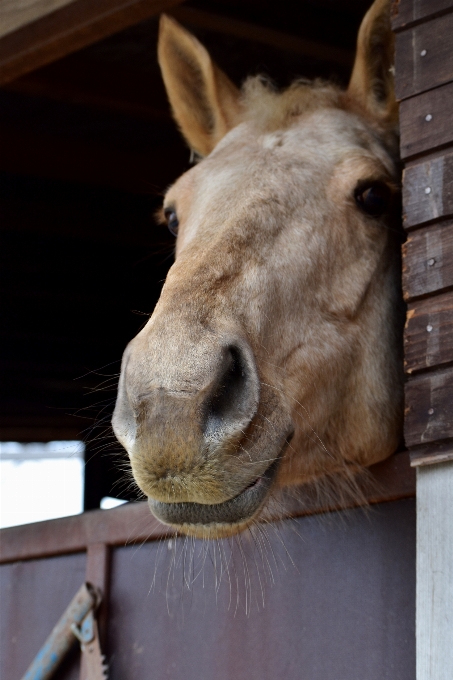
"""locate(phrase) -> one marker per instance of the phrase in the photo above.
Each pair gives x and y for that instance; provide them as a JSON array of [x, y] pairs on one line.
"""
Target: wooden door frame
[[424, 87]]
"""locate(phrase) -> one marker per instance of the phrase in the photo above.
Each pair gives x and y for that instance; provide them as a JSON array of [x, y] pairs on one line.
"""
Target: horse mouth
[[218, 518]]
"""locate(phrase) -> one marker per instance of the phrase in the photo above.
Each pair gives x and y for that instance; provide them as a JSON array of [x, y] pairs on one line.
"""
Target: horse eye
[[374, 199], [172, 221]]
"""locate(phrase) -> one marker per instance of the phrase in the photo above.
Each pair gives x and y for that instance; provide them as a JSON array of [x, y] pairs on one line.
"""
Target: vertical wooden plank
[[428, 190], [434, 617], [98, 574]]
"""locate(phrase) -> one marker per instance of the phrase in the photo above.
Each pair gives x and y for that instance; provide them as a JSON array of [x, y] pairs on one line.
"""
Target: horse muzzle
[[219, 519], [203, 435]]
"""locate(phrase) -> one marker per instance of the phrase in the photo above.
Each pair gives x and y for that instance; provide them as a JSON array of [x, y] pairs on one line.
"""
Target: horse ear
[[372, 79], [205, 102]]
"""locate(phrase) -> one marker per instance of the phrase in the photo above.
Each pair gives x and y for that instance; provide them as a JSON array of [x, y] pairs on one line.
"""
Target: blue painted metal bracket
[[63, 636]]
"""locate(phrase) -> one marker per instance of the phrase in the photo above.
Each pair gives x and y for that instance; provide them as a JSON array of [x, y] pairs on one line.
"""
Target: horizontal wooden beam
[[424, 58], [428, 333], [428, 407], [425, 121], [133, 523], [15, 14], [428, 190], [428, 260], [439, 452], [38, 85], [45, 37], [124, 525], [260, 34], [406, 13]]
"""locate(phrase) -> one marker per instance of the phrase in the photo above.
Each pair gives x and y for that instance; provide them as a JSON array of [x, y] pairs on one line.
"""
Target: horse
[[273, 357]]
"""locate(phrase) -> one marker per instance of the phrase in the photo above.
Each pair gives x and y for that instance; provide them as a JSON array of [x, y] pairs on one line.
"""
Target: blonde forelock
[[271, 109]]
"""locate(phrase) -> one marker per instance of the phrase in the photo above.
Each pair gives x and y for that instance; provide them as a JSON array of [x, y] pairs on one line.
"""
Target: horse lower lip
[[236, 510]]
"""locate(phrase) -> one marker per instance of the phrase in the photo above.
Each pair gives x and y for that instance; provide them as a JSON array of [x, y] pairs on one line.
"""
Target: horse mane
[[271, 109]]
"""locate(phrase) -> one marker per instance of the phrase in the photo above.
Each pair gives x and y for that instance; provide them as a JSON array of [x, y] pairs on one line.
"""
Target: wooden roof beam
[[266, 36], [32, 36]]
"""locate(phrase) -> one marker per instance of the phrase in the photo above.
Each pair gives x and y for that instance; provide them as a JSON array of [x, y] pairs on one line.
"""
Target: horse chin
[[219, 520]]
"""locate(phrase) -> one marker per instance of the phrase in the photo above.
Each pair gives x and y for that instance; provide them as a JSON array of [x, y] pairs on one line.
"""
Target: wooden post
[[97, 573], [435, 572], [424, 87]]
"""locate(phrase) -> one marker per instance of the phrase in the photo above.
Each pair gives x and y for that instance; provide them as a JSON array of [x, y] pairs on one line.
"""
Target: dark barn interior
[[88, 147]]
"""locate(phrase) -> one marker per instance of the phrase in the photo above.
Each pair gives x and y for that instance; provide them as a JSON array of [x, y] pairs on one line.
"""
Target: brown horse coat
[[273, 355]]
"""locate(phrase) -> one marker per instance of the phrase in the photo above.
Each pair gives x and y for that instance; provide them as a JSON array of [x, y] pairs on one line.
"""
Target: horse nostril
[[234, 399]]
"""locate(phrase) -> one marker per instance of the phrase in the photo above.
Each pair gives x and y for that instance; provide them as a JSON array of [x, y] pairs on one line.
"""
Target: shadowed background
[[87, 148]]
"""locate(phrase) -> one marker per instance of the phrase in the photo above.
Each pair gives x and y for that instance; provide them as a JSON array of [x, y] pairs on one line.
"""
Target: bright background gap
[[40, 481]]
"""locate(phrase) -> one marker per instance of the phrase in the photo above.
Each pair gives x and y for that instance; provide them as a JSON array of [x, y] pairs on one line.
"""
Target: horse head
[[273, 356]]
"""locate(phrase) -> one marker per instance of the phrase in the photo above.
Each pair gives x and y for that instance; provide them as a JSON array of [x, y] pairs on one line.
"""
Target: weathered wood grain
[[426, 120], [424, 57], [407, 12], [428, 260], [267, 36], [97, 573], [429, 408], [17, 13], [439, 452], [428, 336], [129, 523], [434, 572], [73, 26], [428, 190]]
